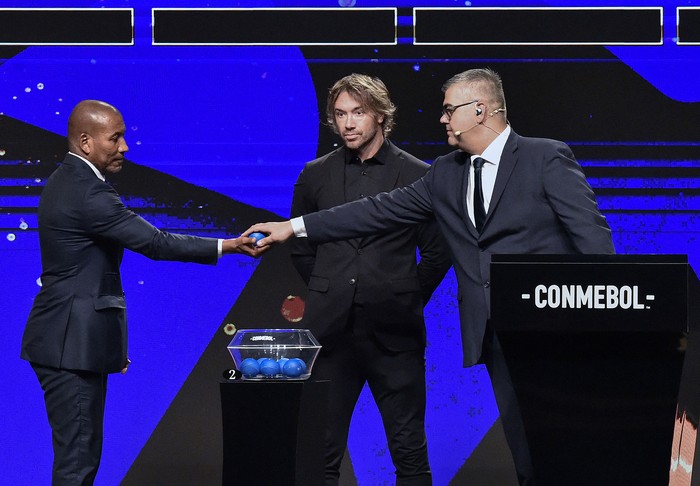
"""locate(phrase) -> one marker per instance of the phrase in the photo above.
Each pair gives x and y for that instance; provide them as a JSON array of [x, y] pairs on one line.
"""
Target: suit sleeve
[[384, 212], [108, 218], [574, 202], [303, 253]]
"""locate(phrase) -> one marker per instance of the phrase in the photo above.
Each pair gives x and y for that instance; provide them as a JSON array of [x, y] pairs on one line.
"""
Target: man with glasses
[[365, 296], [497, 193]]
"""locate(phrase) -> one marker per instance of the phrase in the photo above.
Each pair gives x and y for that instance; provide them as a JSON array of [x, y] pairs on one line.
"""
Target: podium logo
[[588, 297]]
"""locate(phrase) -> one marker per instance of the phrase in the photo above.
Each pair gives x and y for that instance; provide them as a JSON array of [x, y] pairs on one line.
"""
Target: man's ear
[[85, 143]]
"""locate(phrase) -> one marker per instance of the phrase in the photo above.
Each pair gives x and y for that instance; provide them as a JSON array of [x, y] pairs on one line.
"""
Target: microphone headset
[[479, 112], [459, 132]]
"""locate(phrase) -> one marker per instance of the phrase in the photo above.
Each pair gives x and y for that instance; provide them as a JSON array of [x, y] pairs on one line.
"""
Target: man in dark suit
[[535, 200], [366, 296], [76, 333]]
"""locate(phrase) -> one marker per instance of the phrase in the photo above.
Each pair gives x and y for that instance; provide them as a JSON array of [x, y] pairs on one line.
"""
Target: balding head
[[85, 118], [96, 132]]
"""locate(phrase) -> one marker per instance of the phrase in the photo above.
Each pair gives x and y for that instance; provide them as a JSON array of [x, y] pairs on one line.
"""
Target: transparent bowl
[[274, 354]]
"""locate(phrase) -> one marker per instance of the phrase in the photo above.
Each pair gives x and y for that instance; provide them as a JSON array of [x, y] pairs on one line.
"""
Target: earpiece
[[478, 111]]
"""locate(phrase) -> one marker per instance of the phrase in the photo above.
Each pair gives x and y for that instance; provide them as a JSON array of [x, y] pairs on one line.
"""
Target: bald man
[[76, 333]]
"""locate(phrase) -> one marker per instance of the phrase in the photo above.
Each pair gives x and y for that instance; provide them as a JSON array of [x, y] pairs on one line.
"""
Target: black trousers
[[75, 404], [397, 383]]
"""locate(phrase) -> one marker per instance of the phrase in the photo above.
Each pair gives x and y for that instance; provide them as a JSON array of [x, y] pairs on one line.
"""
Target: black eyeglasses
[[448, 110]]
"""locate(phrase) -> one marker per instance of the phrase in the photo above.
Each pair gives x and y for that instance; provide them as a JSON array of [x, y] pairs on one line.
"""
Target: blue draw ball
[[257, 236], [249, 367], [269, 367], [294, 368], [281, 362], [303, 364]]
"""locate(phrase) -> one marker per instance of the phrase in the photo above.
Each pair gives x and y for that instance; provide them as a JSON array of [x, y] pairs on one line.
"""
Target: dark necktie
[[479, 211]]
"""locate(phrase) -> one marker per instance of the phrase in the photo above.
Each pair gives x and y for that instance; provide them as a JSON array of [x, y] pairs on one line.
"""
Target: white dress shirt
[[492, 157]]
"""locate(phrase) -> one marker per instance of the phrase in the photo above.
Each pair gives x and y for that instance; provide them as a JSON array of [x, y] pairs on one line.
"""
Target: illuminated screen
[[224, 102]]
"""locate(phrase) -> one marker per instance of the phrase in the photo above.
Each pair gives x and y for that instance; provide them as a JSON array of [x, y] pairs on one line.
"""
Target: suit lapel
[[506, 165], [390, 173]]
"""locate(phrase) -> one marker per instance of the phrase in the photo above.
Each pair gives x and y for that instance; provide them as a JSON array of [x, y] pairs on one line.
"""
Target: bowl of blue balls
[[274, 354]]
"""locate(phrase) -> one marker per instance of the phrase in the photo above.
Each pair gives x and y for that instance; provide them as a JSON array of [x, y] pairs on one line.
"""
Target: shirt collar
[[380, 157], [493, 152], [94, 169]]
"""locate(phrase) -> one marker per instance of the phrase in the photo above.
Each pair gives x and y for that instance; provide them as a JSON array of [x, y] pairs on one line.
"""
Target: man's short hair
[[485, 81]]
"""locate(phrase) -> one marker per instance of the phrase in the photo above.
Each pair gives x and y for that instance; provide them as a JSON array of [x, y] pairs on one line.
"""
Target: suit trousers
[[397, 383], [75, 404], [511, 419]]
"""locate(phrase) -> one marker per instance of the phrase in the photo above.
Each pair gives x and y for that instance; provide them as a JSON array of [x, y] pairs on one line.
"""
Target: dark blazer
[[541, 203], [378, 271], [78, 320]]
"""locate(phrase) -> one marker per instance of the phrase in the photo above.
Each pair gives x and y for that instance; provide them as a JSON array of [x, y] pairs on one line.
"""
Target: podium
[[595, 346], [274, 432]]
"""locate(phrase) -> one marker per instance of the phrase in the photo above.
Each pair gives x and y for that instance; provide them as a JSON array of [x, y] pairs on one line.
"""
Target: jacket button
[[487, 284], [352, 281], [359, 251]]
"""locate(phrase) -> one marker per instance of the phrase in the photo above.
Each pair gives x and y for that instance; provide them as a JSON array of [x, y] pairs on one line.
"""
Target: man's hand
[[126, 366], [243, 245], [277, 232]]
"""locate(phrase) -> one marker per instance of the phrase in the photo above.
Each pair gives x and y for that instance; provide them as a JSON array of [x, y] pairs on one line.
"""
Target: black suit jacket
[[78, 320], [378, 271], [541, 203]]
